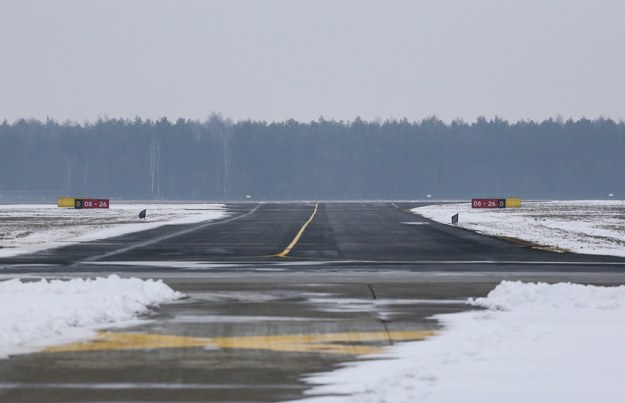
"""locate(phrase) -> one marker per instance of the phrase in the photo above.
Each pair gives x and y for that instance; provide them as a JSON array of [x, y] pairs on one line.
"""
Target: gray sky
[[279, 59]]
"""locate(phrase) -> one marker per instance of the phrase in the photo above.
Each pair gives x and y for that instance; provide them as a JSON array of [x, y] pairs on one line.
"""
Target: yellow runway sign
[[513, 202], [349, 343], [65, 202]]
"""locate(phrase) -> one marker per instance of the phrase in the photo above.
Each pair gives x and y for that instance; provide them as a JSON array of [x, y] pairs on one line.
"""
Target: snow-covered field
[[35, 315], [589, 226], [536, 343], [30, 228]]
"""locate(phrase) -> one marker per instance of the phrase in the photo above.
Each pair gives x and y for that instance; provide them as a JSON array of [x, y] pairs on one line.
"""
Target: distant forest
[[321, 160]]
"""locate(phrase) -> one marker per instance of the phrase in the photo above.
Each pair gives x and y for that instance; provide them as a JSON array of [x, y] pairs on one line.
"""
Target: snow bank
[[43, 313], [515, 296], [534, 343], [589, 226], [31, 228]]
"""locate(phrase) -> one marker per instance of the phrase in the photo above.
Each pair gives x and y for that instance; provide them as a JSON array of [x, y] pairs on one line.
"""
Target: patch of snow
[[42, 313], [178, 264], [367, 305], [589, 226], [534, 343], [32, 228]]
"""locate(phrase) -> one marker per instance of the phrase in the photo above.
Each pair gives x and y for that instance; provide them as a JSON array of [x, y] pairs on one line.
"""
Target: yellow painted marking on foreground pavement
[[349, 343], [299, 234]]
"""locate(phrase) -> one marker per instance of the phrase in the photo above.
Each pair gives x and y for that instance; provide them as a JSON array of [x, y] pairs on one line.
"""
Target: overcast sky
[[279, 59]]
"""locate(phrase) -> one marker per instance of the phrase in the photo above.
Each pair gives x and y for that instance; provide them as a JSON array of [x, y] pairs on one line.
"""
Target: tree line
[[218, 159]]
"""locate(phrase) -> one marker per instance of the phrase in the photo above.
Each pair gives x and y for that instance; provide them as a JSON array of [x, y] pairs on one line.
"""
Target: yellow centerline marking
[[299, 234], [347, 343]]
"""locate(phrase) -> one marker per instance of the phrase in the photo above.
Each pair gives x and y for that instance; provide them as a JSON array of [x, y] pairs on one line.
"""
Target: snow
[[589, 226], [38, 314], [532, 343], [31, 228]]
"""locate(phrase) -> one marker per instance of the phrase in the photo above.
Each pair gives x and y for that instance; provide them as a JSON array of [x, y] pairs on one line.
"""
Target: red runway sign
[[488, 203], [91, 203]]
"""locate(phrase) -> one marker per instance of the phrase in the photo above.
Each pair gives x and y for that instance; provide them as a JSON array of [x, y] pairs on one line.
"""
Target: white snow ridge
[[43, 313]]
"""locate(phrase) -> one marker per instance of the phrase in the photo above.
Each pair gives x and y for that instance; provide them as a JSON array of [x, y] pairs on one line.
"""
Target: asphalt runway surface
[[275, 291]]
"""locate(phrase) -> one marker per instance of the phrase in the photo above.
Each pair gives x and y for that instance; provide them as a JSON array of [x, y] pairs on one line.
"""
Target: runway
[[310, 236], [275, 291]]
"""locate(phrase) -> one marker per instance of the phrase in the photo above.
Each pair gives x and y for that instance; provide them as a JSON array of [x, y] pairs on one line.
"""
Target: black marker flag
[[142, 214]]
